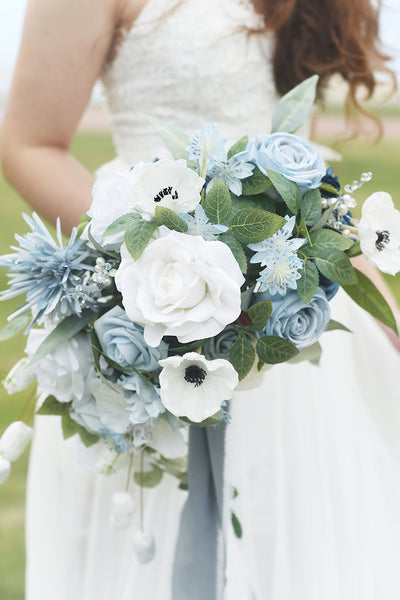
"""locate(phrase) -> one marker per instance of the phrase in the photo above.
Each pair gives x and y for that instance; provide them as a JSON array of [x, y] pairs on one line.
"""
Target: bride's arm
[[64, 45]]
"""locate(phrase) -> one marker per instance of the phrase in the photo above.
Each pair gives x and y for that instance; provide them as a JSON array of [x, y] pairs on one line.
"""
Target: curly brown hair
[[325, 37]]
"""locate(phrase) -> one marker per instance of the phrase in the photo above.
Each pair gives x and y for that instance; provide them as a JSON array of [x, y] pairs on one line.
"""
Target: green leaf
[[321, 239], [260, 313], [335, 325], [97, 246], [64, 331], [335, 265], [71, 427], [14, 327], [169, 218], [239, 146], [149, 479], [288, 190], [329, 188], [217, 204], [273, 349], [242, 356], [121, 224], [294, 107], [311, 353], [308, 283], [83, 221], [138, 236], [237, 527], [253, 226], [256, 183], [236, 249], [367, 295], [258, 202], [355, 250], [175, 139], [51, 406], [311, 207]]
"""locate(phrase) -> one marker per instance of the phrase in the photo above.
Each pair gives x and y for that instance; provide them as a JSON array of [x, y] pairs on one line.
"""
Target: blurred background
[[93, 146]]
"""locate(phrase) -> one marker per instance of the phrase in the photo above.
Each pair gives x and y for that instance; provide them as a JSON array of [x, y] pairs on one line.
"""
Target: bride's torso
[[189, 62]]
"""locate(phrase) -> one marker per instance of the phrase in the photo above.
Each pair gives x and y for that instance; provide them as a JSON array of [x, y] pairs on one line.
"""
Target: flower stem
[[128, 479], [141, 493], [26, 404]]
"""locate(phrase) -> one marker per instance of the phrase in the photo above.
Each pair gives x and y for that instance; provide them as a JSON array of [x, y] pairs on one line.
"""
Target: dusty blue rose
[[330, 287], [123, 341], [289, 155], [143, 400], [219, 346], [302, 324]]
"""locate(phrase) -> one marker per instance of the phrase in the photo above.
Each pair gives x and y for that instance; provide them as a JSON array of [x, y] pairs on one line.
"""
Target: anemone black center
[[167, 191], [383, 238], [195, 374]]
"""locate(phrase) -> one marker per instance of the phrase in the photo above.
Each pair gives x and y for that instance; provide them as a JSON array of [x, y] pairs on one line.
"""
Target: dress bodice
[[189, 62]]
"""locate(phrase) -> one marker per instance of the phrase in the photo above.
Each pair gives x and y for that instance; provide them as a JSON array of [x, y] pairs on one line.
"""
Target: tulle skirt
[[314, 456]]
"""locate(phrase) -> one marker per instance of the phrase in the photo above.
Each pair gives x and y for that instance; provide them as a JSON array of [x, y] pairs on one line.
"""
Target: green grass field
[[93, 150]]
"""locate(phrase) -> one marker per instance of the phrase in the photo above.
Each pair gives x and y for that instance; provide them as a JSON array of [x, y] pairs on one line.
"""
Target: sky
[[12, 12]]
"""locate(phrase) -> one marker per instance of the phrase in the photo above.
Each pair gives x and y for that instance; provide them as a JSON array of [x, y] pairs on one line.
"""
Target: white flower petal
[[14, 440]]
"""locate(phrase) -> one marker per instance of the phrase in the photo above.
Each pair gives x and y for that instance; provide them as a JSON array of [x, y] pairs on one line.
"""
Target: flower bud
[[14, 440], [20, 376], [5, 469], [122, 509], [145, 547]]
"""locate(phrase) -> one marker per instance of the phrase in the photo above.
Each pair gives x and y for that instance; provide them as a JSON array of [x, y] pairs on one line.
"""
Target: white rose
[[194, 387], [168, 183], [14, 440], [20, 377], [379, 232], [111, 199], [64, 373], [182, 286]]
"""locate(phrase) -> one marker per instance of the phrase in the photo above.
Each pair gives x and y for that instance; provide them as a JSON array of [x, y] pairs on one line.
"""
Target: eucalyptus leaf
[[217, 204], [257, 183], [138, 235], [308, 283], [14, 327], [335, 325], [295, 106], [336, 265], [237, 527], [288, 190], [236, 249], [169, 218], [311, 207], [367, 295], [260, 313], [273, 349], [121, 224], [149, 479], [312, 354], [51, 406], [64, 331], [71, 427], [253, 226], [238, 146], [242, 356]]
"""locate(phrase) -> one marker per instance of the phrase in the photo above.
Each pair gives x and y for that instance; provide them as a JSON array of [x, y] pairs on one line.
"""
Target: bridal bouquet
[[187, 276]]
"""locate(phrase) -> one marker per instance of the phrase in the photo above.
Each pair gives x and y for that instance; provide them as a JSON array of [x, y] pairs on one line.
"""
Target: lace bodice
[[189, 62]]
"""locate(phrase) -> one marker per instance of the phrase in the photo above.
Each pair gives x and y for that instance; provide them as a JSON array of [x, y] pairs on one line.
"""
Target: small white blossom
[[144, 545], [20, 376], [5, 469], [194, 387], [379, 232], [122, 510], [198, 224], [14, 440], [207, 142], [280, 274]]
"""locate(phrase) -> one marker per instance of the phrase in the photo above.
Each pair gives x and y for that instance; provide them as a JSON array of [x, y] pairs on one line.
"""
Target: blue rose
[[302, 324], [330, 287], [122, 340], [143, 400], [289, 155], [219, 346]]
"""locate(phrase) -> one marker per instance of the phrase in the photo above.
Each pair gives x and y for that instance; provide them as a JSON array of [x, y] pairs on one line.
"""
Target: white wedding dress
[[314, 452]]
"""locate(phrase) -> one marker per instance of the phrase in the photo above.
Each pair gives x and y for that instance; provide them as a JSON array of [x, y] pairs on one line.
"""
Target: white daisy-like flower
[[379, 232], [168, 183], [194, 387], [280, 274], [281, 241], [231, 171]]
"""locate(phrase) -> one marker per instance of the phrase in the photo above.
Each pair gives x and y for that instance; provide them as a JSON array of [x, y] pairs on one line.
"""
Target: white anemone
[[194, 387], [168, 183], [379, 232]]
